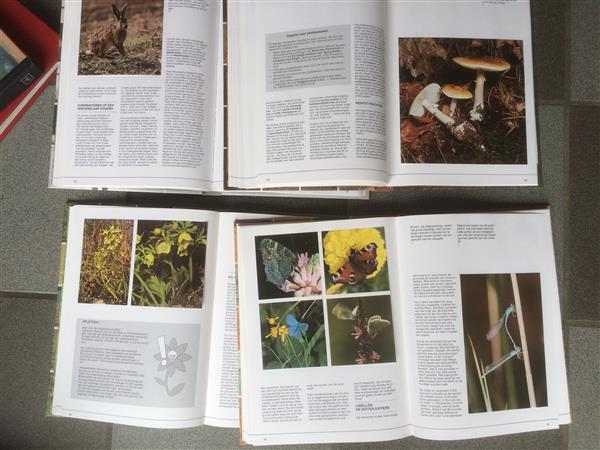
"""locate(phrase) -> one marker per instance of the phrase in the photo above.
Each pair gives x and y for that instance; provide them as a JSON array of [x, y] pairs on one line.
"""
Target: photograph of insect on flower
[[361, 330], [355, 261], [169, 264], [293, 334], [504, 341], [288, 265], [462, 101], [105, 261]]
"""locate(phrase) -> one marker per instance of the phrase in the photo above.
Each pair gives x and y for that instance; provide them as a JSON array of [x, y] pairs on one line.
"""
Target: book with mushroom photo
[[389, 93], [380, 328], [316, 98]]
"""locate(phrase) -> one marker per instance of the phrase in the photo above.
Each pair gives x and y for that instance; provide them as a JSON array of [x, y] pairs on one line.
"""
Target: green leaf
[[315, 339]]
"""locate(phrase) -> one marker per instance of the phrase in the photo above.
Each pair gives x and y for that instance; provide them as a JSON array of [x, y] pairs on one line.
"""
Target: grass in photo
[[121, 37], [462, 101], [170, 260], [293, 334], [105, 261], [288, 265], [355, 261], [504, 341], [361, 330]]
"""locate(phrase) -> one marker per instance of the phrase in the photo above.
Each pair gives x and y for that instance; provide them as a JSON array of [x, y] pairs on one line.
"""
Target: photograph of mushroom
[[462, 101]]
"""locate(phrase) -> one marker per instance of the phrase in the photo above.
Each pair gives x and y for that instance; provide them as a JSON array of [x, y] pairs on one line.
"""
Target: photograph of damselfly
[[504, 341]]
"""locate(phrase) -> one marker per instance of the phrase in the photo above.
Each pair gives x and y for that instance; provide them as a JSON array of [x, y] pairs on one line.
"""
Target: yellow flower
[[337, 246], [156, 231], [149, 259], [273, 333], [163, 247], [272, 320], [184, 237], [283, 332]]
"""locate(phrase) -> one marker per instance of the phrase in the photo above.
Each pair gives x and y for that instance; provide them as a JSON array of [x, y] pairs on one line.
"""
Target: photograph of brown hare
[[121, 37]]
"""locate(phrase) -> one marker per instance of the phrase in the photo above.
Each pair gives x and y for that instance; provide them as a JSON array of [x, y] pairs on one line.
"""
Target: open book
[[140, 98], [319, 94], [436, 326], [386, 93], [148, 332]]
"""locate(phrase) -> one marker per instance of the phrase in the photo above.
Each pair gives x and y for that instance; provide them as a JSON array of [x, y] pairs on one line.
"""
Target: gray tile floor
[[566, 53]]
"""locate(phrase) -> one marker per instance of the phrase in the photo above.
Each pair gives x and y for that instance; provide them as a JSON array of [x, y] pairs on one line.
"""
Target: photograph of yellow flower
[[293, 334], [105, 261], [288, 265], [169, 264], [355, 261], [361, 330], [504, 341]]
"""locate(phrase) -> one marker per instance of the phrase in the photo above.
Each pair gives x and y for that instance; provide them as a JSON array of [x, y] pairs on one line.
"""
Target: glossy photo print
[[361, 330], [293, 334], [105, 261], [121, 37], [355, 260], [462, 101], [170, 261], [288, 265], [504, 341]]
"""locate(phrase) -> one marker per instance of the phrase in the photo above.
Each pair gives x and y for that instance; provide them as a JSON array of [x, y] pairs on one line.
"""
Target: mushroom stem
[[452, 107], [479, 82], [445, 119]]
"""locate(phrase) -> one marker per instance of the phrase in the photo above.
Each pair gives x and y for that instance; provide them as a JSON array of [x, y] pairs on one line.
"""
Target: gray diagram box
[[136, 363], [308, 58]]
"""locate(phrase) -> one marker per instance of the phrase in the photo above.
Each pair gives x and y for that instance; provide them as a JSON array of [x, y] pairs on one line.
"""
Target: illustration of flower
[[306, 277], [171, 358]]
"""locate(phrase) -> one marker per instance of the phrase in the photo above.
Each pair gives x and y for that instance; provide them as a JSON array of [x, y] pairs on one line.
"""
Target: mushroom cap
[[455, 91], [487, 64], [431, 93]]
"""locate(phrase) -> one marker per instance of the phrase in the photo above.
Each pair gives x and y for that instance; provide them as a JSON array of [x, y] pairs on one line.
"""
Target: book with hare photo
[[320, 95]]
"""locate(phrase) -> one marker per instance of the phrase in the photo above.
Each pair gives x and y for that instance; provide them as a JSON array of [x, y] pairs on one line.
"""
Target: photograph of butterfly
[[504, 341], [361, 330], [293, 334], [288, 265], [355, 260]]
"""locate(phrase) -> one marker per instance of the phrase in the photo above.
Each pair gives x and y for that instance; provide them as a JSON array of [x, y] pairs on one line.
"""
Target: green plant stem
[[146, 288]]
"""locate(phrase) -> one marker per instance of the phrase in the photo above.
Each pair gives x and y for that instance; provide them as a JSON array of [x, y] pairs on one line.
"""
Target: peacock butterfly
[[360, 264]]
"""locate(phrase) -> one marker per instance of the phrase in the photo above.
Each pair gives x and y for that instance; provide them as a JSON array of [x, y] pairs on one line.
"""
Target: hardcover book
[[28, 61], [437, 326], [177, 96]]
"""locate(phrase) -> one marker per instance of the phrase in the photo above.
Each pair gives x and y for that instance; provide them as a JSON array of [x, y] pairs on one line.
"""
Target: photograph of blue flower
[[293, 334]]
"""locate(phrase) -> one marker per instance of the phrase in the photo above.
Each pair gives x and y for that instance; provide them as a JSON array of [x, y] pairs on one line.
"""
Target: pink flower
[[358, 332], [374, 356], [361, 359], [306, 277]]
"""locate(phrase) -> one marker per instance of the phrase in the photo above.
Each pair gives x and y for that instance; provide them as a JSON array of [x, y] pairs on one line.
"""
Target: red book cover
[[40, 43]]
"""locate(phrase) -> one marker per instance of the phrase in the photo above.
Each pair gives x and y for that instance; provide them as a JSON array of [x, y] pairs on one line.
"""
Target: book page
[[222, 405], [481, 306], [137, 95], [135, 316], [474, 122], [321, 343], [306, 94]]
